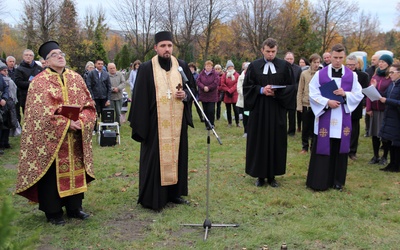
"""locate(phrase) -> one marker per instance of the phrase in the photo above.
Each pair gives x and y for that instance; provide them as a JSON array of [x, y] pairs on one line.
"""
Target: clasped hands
[[75, 125]]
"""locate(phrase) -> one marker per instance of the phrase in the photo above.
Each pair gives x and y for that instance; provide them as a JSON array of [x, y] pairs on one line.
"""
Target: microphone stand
[[207, 222]]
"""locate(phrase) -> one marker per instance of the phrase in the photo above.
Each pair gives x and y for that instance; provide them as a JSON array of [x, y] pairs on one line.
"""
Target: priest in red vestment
[[56, 163]]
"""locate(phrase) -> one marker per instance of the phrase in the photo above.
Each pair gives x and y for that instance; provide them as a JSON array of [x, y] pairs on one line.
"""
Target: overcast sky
[[384, 9]]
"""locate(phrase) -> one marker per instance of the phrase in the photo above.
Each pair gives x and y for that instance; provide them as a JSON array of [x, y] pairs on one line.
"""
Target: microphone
[[185, 79]]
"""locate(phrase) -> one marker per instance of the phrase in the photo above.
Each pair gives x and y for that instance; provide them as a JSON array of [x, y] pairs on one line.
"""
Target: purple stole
[[323, 142]]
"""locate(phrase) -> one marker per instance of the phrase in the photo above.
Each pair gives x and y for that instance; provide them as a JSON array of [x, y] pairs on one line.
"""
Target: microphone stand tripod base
[[207, 225]]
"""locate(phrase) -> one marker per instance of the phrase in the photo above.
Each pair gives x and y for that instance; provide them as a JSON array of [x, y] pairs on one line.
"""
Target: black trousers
[[355, 134], [100, 105], [292, 122], [307, 132], [229, 112], [209, 110], [245, 118], [50, 201], [219, 110]]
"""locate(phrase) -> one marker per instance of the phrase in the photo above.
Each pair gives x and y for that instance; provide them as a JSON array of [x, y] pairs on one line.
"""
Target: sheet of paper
[[372, 93]]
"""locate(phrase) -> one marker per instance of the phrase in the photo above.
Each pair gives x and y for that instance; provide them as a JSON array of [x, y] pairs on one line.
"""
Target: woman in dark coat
[[208, 82], [391, 120]]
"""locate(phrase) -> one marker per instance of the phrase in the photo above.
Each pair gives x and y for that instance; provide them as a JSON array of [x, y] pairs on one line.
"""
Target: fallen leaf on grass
[[117, 174]]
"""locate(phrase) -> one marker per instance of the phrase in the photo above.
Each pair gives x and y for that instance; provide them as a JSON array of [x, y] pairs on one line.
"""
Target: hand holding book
[[70, 111]]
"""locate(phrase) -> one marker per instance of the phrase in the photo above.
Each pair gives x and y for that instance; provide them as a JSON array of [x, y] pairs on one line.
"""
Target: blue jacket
[[391, 120]]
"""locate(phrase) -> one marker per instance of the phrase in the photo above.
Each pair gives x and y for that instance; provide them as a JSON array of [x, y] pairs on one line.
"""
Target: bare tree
[[211, 14], [365, 32], [335, 16], [139, 21], [183, 20], [257, 18], [41, 17]]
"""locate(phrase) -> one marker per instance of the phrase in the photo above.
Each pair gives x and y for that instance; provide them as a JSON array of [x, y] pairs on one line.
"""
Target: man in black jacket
[[24, 74], [99, 85]]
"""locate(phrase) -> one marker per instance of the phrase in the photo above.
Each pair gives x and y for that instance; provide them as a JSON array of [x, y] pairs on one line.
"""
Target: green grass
[[365, 216]]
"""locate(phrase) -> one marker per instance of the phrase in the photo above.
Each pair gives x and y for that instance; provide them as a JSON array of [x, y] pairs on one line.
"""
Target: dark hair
[[191, 64], [338, 48], [98, 59], [305, 60], [270, 42], [136, 62]]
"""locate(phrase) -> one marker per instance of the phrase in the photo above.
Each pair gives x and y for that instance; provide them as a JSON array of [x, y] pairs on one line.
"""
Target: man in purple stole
[[332, 125]]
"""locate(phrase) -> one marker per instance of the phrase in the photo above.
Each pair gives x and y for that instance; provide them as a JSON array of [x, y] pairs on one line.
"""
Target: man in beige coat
[[303, 102]]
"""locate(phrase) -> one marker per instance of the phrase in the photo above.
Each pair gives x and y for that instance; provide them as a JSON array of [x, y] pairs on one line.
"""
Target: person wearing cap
[[160, 116], [229, 85], [332, 124], [269, 91], [55, 162], [375, 109]]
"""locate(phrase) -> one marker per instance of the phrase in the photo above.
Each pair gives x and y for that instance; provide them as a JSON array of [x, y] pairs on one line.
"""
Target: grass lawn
[[366, 215]]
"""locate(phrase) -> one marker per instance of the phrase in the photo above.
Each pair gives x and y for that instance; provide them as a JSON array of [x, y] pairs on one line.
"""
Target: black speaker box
[[108, 138], [107, 115]]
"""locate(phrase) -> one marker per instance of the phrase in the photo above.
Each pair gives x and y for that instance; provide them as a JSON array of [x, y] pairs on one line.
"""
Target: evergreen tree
[[123, 57], [68, 34]]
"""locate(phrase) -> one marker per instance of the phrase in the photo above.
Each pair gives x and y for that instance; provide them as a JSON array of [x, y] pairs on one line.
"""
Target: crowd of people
[[321, 97]]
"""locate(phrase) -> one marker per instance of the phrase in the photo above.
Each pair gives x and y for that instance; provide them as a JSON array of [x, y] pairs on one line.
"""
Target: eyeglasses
[[350, 65], [55, 55], [28, 54], [392, 72]]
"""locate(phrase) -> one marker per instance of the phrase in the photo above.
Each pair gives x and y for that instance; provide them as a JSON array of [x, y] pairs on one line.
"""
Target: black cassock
[[143, 121], [267, 125]]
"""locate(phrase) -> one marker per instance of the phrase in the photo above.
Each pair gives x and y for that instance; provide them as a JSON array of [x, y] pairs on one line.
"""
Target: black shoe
[[7, 146], [77, 214], [273, 183], [260, 182], [382, 161], [180, 200], [57, 221], [374, 160], [338, 187], [388, 168]]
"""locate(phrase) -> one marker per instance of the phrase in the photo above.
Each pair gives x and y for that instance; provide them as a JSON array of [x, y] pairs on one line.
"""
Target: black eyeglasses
[[392, 72]]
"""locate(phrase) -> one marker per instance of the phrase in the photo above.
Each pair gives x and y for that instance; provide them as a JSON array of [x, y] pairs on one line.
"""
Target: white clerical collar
[[269, 65]]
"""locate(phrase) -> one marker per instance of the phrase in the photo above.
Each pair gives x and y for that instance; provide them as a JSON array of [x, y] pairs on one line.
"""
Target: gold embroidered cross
[[323, 132], [346, 131]]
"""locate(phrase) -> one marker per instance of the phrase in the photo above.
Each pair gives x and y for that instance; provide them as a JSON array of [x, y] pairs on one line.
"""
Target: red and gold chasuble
[[46, 137], [170, 113]]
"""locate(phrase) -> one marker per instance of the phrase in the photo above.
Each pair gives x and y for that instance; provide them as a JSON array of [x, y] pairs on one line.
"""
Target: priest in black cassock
[[269, 91], [160, 116]]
